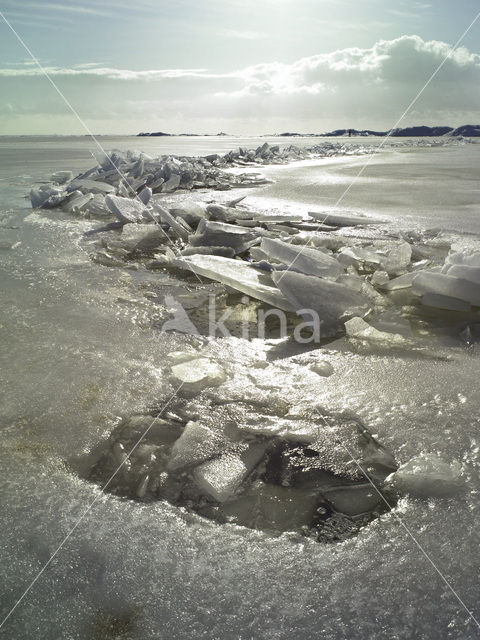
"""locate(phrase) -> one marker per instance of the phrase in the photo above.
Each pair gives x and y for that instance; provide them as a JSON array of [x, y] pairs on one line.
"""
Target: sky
[[240, 66]]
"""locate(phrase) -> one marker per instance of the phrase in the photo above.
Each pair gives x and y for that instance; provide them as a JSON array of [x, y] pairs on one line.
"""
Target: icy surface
[[151, 567]]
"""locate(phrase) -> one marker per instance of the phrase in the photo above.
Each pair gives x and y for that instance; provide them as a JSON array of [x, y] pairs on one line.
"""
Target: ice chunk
[[77, 201], [379, 278], [398, 259], [357, 328], [125, 209], [333, 302], [427, 475], [445, 285], [468, 259], [323, 368], [195, 375], [197, 444], [150, 241], [61, 177], [302, 259], [38, 197], [226, 252], [221, 477], [95, 206], [227, 214], [444, 302], [298, 430], [358, 256], [167, 217], [402, 282], [470, 273], [191, 212], [224, 235], [145, 195], [92, 186], [342, 220], [323, 432], [171, 184], [237, 274], [258, 255]]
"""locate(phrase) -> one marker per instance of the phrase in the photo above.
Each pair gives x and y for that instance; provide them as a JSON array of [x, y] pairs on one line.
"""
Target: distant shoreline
[[468, 130]]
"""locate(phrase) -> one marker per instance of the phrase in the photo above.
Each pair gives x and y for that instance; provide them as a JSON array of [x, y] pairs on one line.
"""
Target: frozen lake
[[81, 347]]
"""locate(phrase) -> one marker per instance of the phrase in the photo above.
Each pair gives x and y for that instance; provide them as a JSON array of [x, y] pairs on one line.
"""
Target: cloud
[[51, 9], [50, 6], [367, 87], [91, 69]]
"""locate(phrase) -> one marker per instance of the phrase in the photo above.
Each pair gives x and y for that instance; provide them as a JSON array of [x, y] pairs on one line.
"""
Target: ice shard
[[302, 259], [221, 477], [357, 328], [342, 220], [92, 186], [402, 282], [398, 259], [427, 475], [197, 444], [467, 272], [446, 285], [237, 274], [333, 302], [125, 209], [225, 235], [174, 224]]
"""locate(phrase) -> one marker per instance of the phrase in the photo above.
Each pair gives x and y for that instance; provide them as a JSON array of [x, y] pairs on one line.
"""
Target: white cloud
[[53, 8], [349, 87], [91, 69]]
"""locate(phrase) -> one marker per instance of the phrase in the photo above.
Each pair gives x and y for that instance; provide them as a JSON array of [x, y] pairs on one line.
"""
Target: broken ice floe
[[194, 374], [131, 174], [358, 329], [342, 220], [333, 302], [237, 274], [289, 261], [428, 476], [223, 465]]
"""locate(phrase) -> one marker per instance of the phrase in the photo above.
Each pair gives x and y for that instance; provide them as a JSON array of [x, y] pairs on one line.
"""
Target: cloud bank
[[349, 87]]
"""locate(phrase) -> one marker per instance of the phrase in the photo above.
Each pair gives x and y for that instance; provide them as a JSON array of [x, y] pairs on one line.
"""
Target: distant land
[[466, 130], [177, 135]]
